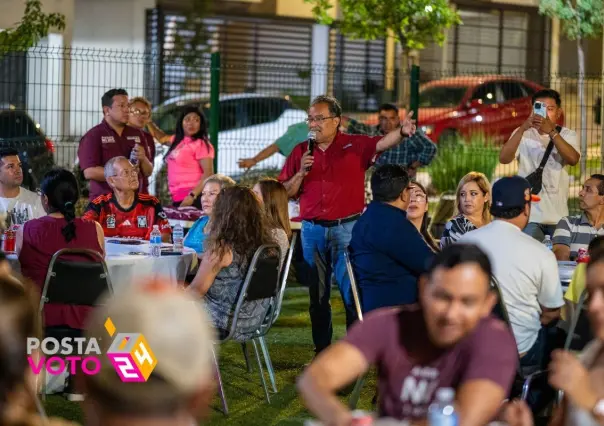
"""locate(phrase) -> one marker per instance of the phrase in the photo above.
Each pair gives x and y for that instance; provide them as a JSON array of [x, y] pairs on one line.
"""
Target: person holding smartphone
[[529, 144]]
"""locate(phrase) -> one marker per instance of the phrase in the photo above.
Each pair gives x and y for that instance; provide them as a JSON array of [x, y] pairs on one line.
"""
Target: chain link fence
[[50, 96]]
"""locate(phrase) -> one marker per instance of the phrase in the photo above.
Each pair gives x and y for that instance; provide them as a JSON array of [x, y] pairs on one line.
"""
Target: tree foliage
[[580, 18], [190, 36], [33, 26], [414, 23]]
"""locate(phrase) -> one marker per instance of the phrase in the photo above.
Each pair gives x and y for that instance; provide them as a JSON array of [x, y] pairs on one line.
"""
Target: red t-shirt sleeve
[[292, 163], [493, 355], [366, 146], [162, 220], [90, 151], [371, 336]]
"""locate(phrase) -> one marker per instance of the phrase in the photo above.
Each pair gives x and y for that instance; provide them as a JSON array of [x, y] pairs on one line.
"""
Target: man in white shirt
[[528, 144], [17, 204], [527, 272]]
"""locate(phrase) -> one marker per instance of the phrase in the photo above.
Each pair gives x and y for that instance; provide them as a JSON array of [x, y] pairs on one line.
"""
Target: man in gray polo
[[576, 232]]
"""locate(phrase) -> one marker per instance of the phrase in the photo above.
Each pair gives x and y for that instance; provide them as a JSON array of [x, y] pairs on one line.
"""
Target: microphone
[[312, 140]]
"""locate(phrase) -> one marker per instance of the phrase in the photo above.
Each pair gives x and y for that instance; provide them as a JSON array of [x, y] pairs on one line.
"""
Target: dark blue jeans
[[323, 249], [538, 230]]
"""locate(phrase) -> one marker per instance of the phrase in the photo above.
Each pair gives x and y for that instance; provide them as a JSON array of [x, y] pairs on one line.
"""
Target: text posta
[[77, 353]]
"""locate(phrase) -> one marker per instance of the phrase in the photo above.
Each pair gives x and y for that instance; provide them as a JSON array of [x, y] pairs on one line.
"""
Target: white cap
[[177, 331]]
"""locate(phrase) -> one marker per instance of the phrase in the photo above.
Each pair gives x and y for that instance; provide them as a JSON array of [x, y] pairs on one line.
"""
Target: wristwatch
[[192, 194], [553, 134], [598, 410], [404, 135]]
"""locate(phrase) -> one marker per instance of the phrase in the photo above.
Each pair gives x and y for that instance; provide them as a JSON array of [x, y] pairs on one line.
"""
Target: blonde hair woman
[[472, 207]]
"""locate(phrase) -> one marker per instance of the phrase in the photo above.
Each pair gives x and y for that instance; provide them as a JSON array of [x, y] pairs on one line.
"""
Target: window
[[441, 97], [16, 124], [512, 90], [487, 93], [231, 116], [528, 89], [264, 110]]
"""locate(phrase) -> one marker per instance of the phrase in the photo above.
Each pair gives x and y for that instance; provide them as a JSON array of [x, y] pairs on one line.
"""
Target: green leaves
[[414, 23], [34, 25], [580, 18]]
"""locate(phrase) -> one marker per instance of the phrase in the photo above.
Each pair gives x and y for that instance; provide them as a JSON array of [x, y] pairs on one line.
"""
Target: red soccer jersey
[[135, 222]]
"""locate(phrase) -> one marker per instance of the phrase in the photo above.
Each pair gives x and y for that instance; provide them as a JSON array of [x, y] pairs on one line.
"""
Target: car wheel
[[448, 137]]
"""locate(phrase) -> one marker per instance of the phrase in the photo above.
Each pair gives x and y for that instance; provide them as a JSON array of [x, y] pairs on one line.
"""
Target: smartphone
[[539, 108]]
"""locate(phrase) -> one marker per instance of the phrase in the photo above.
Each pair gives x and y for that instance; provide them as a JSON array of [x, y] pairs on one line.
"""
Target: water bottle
[[155, 241], [134, 160], [442, 411], [548, 242], [178, 236]]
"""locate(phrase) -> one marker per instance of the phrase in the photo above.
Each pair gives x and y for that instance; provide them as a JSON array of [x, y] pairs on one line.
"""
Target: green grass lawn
[[290, 346]]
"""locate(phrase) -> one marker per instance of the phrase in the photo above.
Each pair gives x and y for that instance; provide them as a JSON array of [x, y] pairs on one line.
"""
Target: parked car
[[21, 132], [493, 104], [248, 122]]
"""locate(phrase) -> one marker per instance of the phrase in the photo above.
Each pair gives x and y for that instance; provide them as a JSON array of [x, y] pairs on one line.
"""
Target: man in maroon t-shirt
[[448, 341], [112, 138], [330, 184]]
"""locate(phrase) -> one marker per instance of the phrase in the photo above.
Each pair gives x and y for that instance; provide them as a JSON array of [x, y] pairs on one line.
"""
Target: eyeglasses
[[318, 119], [420, 196], [142, 113], [128, 173]]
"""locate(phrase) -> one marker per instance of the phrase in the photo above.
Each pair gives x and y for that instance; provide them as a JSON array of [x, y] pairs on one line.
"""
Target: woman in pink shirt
[[190, 157]]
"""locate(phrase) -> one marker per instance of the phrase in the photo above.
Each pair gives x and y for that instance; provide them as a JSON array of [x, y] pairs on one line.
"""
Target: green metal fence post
[[215, 104], [414, 87]]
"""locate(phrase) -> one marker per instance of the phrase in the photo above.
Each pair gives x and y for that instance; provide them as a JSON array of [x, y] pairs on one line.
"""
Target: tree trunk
[[403, 78], [583, 108]]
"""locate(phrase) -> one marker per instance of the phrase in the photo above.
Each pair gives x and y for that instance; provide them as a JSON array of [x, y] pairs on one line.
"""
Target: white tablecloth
[[126, 269]]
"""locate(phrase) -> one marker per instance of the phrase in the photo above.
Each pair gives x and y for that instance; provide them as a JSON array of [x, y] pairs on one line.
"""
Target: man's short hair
[[140, 99], [8, 152], [109, 169], [599, 177], [547, 93], [107, 99], [509, 213], [388, 107], [334, 106], [388, 182], [459, 254], [596, 245]]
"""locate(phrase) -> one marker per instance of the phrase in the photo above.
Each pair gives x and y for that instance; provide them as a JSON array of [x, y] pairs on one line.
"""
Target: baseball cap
[[510, 192], [178, 333]]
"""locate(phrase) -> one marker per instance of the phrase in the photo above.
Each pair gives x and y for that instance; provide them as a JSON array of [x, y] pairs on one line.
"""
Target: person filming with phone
[[327, 174], [543, 150]]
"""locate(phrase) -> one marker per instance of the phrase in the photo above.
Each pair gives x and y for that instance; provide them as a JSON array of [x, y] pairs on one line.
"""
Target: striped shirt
[[454, 229], [575, 232]]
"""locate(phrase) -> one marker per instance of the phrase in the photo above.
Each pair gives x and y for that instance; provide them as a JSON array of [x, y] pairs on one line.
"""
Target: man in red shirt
[[449, 341], [125, 212], [330, 184], [112, 138]]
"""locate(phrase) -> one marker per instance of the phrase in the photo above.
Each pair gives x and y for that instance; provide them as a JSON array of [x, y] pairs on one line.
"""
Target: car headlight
[[428, 130]]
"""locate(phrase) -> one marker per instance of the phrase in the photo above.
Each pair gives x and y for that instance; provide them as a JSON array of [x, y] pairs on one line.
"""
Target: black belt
[[337, 222]]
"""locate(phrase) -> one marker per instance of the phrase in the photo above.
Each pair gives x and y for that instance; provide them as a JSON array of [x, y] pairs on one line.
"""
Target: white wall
[[108, 42]]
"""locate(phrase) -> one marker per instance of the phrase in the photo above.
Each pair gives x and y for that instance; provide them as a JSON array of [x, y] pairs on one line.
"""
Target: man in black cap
[[527, 272]]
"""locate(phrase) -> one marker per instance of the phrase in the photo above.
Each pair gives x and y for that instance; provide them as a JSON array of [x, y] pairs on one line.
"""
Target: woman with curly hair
[[238, 227]]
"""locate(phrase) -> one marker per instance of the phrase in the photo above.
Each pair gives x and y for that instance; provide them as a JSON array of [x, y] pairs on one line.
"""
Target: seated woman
[[238, 227], [39, 239], [472, 206], [211, 189], [273, 196], [417, 213], [190, 157], [19, 318]]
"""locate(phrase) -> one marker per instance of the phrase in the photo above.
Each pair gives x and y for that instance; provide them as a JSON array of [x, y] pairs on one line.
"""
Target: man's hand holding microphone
[[308, 159]]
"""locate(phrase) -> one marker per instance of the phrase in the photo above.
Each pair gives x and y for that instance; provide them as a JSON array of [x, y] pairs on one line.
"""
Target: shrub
[[459, 157]]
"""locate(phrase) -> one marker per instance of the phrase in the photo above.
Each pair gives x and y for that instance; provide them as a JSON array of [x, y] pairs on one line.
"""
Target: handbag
[[535, 179]]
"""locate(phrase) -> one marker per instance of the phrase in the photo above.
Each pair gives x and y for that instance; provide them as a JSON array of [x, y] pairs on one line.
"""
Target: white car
[[248, 123]]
